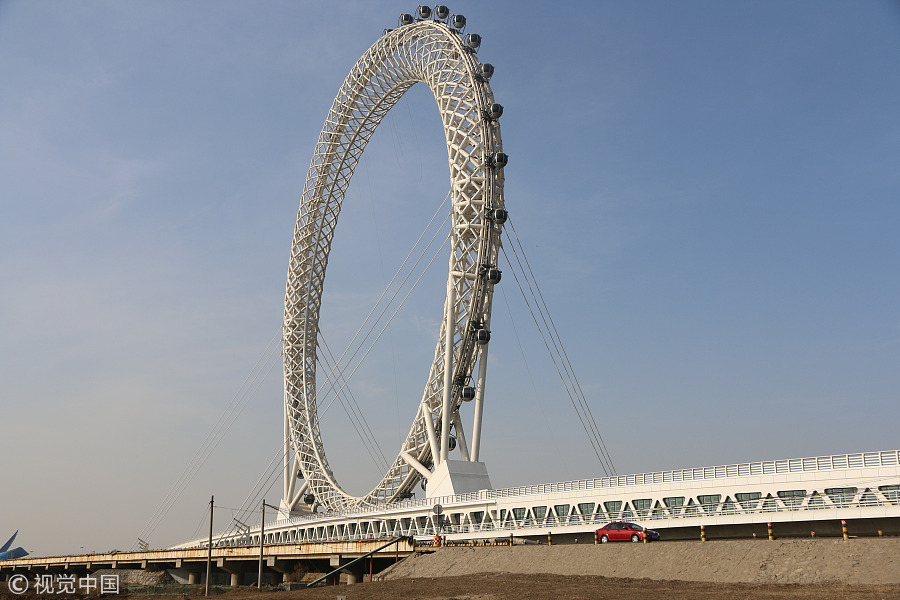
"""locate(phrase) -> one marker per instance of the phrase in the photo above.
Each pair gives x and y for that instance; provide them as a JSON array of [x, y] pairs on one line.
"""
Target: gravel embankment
[[856, 561]]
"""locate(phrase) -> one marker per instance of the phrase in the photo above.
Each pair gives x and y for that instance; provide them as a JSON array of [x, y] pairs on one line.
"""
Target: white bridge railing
[[566, 505], [889, 458]]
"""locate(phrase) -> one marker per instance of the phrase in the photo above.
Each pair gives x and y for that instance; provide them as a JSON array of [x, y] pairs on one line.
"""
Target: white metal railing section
[[307, 527], [888, 458], [763, 506]]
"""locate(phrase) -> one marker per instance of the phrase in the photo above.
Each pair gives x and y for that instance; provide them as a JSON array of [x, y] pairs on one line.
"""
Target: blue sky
[[707, 192]]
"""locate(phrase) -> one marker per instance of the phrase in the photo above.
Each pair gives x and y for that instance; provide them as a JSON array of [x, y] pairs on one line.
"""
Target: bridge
[[189, 565], [319, 521], [795, 495]]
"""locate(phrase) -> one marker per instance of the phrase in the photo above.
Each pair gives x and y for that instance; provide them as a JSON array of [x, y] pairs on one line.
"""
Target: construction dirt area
[[824, 569]]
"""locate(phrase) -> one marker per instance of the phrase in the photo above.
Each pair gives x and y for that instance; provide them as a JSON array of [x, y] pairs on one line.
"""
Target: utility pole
[[262, 536], [209, 552]]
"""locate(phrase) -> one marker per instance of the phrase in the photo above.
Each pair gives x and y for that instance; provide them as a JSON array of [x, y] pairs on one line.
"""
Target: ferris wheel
[[431, 48]]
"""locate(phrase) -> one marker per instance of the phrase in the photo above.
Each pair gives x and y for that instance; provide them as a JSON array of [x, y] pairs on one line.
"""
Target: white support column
[[460, 437], [296, 498], [479, 386], [416, 465], [450, 328], [432, 436], [479, 403], [292, 466], [286, 496]]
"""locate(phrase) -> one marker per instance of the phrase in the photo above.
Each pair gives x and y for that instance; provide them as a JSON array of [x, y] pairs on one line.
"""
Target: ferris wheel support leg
[[432, 436], [288, 506], [288, 471], [296, 499], [460, 437], [292, 469], [416, 465], [450, 333], [479, 403]]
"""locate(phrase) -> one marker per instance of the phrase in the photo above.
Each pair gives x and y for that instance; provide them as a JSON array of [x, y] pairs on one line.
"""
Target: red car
[[620, 531]]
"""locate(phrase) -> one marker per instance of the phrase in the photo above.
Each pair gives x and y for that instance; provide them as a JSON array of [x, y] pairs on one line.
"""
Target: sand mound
[[856, 561]]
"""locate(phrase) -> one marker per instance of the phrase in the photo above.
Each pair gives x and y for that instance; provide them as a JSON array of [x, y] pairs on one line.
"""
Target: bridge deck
[[223, 558]]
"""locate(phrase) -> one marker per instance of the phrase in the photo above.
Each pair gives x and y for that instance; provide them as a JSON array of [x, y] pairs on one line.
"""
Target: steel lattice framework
[[431, 52]]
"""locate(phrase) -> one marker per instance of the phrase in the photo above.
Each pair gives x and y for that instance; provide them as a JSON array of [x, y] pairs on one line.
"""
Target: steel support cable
[[223, 433], [353, 410], [349, 409], [275, 474], [185, 476], [361, 426], [162, 509], [553, 332], [391, 283], [331, 377], [203, 519], [251, 498], [578, 412], [564, 360], [553, 357], [528, 370], [248, 507], [383, 278], [565, 355], [386, 325], [268, 478], [574, 392], [340, 372]]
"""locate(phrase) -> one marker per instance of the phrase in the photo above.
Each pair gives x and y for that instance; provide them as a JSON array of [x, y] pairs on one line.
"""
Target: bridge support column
[[279, 568], [354, 573], [193, 578], [234, 569]]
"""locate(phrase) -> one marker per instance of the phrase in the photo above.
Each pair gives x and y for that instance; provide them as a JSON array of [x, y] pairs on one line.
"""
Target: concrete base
[[301, 509], [453, 477]]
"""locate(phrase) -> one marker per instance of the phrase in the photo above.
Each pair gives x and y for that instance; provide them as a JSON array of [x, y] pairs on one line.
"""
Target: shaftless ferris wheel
[[430, 48]]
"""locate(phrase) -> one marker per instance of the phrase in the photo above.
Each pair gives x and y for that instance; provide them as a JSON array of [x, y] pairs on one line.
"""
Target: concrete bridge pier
[[193, 578], [234, 569], [354, 573], [278, 568]]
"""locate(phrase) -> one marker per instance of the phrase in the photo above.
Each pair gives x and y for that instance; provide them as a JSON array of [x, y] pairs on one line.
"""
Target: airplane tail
[[7, 554]]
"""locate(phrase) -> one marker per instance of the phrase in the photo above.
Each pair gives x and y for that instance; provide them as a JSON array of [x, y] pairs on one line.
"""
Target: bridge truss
[[860, 486]]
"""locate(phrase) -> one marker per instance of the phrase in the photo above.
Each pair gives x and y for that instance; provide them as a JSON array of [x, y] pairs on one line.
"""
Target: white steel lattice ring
[[432, 53]]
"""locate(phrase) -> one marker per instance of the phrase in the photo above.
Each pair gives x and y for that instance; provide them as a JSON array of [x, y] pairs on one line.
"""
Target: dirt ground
[[506, 586]]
